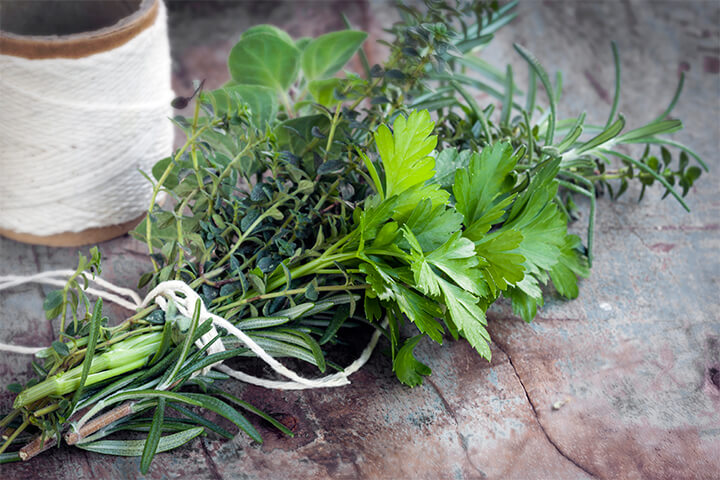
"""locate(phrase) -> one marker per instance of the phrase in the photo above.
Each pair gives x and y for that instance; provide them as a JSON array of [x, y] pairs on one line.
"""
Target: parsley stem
[[118, 338], [311, 267], [337, 271], [287, 293]]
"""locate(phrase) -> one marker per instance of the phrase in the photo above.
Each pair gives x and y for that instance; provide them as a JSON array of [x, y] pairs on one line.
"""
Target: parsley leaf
[[456, 258], [468, 316], [525, 304], [405, 155], [447, 163], [503, 265], [571, 264], [407, 368], [410, 198], [379, 281], [420, 310], [433, 225], [481, 190], [544, 229]]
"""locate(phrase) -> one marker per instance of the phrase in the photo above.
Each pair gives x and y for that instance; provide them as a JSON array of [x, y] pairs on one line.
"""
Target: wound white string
[[185, 300], [75, 131]]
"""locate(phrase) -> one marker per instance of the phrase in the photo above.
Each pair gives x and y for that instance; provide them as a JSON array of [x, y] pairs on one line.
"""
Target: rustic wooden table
[[633, 363]]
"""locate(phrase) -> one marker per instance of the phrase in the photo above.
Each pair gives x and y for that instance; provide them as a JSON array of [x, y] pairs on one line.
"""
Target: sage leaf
[[264, 59], [327, 54], [262, 102], [269, 29]]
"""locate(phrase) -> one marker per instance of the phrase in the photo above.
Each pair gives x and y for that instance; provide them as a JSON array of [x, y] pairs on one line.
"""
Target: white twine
[[74, 132], [185, 299]]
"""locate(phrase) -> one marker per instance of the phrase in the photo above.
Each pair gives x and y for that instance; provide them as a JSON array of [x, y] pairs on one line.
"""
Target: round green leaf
[[328, 53], [322, 91], [692, 174], [262, 102], [265, 28], [653, 163], [53, 300], [264, 59], [159, 168]]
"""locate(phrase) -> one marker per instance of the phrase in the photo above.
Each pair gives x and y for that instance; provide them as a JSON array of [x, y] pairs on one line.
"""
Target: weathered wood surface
[[633, 362]]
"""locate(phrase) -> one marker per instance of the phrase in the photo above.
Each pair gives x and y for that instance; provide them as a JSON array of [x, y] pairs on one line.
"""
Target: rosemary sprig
[[76, 398]]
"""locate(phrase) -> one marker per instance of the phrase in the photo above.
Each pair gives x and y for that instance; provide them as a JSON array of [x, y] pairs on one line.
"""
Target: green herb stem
[[331, 135], [294, 291], [14, 435], [313, 265], [247, 233], [161, 181], [226, 171], [115, 338], [120, 358], [45, 410]]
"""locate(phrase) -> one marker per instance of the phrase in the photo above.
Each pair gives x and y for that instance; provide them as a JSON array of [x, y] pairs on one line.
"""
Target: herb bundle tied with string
[[308, 207]]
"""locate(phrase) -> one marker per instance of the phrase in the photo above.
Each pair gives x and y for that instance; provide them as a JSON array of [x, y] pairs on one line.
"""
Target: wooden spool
[[71, 29]]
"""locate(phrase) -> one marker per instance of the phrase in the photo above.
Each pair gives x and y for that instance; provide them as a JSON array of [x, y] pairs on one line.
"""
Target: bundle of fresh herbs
[[305, 206]]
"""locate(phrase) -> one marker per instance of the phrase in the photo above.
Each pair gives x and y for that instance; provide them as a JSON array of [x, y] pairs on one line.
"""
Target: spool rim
[[90, 236], [83, 44]]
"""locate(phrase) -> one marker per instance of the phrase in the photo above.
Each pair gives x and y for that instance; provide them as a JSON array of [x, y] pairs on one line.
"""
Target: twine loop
[[185, 299]]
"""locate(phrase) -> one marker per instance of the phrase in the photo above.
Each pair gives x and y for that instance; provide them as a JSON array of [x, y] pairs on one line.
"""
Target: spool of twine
[[84, 100]]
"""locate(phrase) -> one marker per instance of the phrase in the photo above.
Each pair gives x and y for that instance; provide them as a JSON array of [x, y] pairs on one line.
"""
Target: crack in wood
[[86, 457], [597, 86], [537, 418], [451, 412], [630, 13], [212, 466]]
